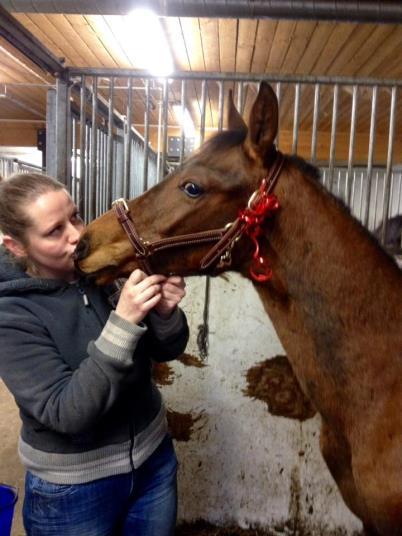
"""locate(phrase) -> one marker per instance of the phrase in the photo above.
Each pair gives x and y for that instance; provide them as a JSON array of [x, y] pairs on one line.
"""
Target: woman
[[94, 438]]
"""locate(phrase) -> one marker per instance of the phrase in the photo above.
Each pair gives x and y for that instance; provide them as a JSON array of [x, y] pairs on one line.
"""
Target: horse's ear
[[263, 123], [235, 120]]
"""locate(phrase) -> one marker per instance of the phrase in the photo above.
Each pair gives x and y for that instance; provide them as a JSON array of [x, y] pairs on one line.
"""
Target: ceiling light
[[145, 42]]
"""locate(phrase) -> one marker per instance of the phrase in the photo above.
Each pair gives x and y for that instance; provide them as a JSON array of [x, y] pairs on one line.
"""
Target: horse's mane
[[313, 173]]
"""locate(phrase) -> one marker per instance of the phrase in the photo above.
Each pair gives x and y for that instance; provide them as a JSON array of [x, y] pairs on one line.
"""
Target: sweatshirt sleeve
[[45, 387], [167, 338]]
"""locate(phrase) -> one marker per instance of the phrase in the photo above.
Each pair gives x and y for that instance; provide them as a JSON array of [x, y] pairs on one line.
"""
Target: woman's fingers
[[140, 278], [142, 296], [177, 281], [173, 295], [143, 292], [139, 295], [172, 292]]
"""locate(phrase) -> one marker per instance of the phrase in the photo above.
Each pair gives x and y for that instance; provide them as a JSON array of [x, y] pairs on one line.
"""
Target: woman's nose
[[74, 234]]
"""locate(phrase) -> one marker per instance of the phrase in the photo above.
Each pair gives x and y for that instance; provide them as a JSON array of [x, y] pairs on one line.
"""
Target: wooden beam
[[16, 34], [19, 135]]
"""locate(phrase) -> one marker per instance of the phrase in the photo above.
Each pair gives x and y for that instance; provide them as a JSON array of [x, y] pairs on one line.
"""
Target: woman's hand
[[173, 291], [139, 295]]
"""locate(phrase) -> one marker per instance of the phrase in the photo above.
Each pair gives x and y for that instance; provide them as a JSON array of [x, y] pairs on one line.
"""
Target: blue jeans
[[142, 503]]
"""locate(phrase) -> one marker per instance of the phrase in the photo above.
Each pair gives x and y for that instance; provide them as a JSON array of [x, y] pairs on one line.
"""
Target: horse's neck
[[332, 288], [318, 248]]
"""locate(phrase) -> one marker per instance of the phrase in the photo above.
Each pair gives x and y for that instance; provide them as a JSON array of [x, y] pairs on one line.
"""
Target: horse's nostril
[[82, 249]]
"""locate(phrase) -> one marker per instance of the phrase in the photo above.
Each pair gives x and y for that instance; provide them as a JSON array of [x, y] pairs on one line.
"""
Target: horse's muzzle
[[82, 249]]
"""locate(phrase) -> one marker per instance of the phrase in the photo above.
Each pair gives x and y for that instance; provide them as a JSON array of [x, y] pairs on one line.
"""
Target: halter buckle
[[121, 201], [225, 259]]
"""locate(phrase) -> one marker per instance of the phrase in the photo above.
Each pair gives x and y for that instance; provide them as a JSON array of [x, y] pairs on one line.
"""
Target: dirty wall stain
[[191, 361], [181, 425], [162, 374], [272, 381]]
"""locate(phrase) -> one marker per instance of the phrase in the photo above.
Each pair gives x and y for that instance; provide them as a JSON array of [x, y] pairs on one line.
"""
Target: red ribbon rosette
[[253, 217]]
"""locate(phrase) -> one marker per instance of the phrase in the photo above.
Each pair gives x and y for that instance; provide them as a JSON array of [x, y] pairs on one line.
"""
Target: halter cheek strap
[[141, 251], [261, 204]]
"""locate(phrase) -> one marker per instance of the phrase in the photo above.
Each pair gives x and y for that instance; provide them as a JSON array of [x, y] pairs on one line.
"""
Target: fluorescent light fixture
[[185, 120], [145, 43]]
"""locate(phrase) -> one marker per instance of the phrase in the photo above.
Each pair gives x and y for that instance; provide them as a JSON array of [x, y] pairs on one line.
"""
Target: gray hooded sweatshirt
[[81, 376]]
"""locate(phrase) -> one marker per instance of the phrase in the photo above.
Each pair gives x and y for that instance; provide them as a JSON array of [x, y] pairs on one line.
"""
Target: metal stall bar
[[58, 153], [240, 97], [360, 206], [74, 171], [370, 158], [127, 140], [146, 138], [82, 184], [278, 96], [165, 111], [158, 148], [203, 110], [110, 153], [93, 206], [69, 140], [87, 170], [348, 190], [399, 193], [104, 169], [51, 132], [333, 138], [239, 77], [296, 118], [183, 111], [99, 183], [314, 128], [387, 178], [220, 105]]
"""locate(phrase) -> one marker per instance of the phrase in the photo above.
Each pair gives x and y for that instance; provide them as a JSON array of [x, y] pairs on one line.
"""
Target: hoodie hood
[[14, 281]]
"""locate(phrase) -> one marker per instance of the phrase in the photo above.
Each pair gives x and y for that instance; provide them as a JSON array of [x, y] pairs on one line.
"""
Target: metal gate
[[9, 166], [123, 133]]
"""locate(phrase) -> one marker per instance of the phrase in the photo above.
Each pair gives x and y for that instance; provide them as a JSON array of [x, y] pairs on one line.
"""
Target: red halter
[[262, 204]]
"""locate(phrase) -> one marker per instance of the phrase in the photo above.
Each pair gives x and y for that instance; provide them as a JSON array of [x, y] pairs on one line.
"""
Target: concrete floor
[[11, 470]]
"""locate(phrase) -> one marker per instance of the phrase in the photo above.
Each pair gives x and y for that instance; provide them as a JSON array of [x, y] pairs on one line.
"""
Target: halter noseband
[[225, 237]]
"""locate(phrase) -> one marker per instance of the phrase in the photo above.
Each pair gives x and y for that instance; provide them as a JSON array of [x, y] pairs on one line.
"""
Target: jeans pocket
[[44, 488], [45, 500]]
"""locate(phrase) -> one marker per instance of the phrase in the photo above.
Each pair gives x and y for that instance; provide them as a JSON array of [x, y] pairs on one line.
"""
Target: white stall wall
[[243, 466]]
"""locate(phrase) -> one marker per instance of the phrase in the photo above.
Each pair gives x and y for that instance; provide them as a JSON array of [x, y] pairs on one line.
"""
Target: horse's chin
[[107, 274], [103, 276]]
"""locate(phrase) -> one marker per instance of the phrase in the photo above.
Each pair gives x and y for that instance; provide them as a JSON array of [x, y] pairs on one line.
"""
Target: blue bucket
[[8, 498]]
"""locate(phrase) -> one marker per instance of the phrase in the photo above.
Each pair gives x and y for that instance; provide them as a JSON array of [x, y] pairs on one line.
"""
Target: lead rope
[[203, 329]]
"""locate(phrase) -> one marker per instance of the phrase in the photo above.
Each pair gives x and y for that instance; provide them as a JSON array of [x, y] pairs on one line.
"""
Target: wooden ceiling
[[217, 45]]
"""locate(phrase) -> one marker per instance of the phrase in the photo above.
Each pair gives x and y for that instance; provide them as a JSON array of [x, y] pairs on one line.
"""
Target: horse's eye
[[192, 189]]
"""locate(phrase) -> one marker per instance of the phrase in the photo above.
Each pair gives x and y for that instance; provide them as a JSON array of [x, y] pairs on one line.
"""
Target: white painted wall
[[241, 464]]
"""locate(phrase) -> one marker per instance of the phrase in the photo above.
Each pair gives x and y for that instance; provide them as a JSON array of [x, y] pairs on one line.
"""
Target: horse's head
[[207, 192]]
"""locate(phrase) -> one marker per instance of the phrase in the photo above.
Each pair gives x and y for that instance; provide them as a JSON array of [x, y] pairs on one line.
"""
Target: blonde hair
[[15, 193]]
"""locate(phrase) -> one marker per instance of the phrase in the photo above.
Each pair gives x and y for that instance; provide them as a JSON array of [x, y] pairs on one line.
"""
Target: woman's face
[[53, 236]]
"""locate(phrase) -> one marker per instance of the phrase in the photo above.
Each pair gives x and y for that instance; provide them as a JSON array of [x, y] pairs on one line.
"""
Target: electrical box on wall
[[174, 143]]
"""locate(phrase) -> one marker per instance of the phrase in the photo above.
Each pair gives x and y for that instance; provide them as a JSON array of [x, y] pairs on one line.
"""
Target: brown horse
[[334, 298]]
